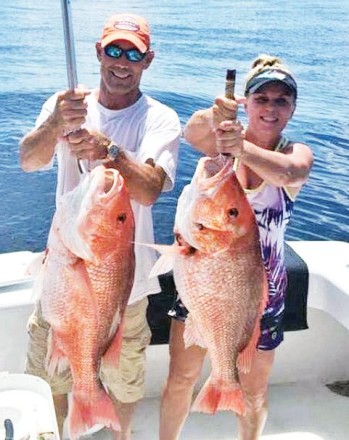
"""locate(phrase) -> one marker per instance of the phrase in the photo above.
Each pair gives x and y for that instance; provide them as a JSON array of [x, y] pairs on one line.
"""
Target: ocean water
[[195, 42]]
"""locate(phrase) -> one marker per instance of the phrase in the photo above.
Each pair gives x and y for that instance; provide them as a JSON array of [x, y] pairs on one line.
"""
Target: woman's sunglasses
[[133, 55]]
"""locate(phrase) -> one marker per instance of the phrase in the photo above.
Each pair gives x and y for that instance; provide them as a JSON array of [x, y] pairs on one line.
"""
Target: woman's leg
[[255, 385], [185, 368]]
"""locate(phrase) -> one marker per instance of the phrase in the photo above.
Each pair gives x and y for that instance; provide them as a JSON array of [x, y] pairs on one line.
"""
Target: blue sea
[[195, 42]]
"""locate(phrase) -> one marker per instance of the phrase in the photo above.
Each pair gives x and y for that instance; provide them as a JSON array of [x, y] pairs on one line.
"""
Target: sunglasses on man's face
[[133, 55]]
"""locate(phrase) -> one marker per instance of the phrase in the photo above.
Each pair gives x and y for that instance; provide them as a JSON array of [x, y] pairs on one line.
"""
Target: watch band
[[113, 151]]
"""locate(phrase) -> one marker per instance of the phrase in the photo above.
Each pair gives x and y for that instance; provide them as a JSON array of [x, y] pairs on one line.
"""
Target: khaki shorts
[[126, 382]]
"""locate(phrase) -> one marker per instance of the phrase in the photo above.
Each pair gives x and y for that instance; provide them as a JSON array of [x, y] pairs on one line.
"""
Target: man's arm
[[38, 146], [143, 180]]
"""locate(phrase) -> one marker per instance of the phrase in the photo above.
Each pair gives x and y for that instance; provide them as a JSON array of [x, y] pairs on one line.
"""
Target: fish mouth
[[211, 171], [113, 182]]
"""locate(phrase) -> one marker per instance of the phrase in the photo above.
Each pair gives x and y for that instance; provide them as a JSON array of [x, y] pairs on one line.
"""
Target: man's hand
[[70, 110], [86, 145]]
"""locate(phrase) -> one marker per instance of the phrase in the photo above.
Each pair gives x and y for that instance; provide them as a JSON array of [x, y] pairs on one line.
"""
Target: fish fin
[[112, 355], [219, 396], [192, 335], [244, 360], [265, 297], [37, 286], [77, 273], [36, 263], [36, 268], [163, 249], [84, 415], [164, 264], [56, 361], [168, 253]]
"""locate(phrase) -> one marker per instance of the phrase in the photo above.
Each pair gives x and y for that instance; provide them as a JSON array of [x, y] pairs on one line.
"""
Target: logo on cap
[[126, 25]]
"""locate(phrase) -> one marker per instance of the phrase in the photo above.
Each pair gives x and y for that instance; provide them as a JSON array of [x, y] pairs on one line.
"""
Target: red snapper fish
[[220, 277], [84, 286]]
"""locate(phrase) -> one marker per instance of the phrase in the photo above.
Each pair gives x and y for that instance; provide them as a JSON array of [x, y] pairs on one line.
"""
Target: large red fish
[[220, 277], [84, 286]]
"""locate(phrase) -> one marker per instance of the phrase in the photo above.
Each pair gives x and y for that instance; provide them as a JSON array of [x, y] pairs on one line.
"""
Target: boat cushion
[[295, 306]]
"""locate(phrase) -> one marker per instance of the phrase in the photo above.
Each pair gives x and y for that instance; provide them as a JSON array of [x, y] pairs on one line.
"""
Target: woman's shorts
[[126, 382], [272, 333]]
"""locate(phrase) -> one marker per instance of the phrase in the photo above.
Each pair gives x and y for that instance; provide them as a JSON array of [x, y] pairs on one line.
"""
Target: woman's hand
[[230, 138], [223, 109]]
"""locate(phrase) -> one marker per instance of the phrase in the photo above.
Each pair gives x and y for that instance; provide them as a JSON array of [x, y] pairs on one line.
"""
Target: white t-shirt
[[146, 130]]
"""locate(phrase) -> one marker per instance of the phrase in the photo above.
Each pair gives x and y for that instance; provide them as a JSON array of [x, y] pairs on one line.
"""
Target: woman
[[272, 170]]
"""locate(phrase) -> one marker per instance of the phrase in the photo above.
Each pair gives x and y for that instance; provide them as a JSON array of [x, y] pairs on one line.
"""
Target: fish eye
[[233, 212], [121, 218], [179, 239], [199, 226]]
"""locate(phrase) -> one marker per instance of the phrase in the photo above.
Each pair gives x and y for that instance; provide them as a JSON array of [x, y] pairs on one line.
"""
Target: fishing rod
[[71, 58], [229, 90], [230, 83], [69, 44]]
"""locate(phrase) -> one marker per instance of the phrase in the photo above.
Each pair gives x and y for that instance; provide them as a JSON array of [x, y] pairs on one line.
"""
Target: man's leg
[[126, 381], [61, 407], [185, 368], [125, 413], [255, 386], [38, 332]]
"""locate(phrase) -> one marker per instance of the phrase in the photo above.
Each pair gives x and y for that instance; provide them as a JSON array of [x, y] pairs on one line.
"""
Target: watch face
[[113, 151]]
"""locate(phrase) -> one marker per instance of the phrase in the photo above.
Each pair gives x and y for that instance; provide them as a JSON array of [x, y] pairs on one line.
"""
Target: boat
[[308, 394]]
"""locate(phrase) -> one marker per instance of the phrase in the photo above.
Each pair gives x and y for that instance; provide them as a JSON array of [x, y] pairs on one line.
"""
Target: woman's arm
[[289, 167], [200, 130]]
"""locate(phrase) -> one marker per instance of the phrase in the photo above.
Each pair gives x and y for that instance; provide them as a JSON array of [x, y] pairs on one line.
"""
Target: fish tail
[[83, 415], [215, 396]]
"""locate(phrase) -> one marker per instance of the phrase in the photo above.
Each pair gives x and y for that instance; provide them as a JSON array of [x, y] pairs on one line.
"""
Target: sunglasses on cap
[[133, 55]]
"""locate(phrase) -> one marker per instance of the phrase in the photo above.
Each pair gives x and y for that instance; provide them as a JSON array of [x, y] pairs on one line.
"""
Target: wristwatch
[[113, 151]]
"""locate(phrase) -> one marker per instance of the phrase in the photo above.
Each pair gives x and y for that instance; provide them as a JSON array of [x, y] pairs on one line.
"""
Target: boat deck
[[297, 411]]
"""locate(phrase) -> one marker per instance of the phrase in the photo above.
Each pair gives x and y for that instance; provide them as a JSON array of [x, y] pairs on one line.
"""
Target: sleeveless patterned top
[[273, 207]]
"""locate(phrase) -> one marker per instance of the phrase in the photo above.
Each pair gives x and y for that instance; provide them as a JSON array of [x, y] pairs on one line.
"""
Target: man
[[135, 134]]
